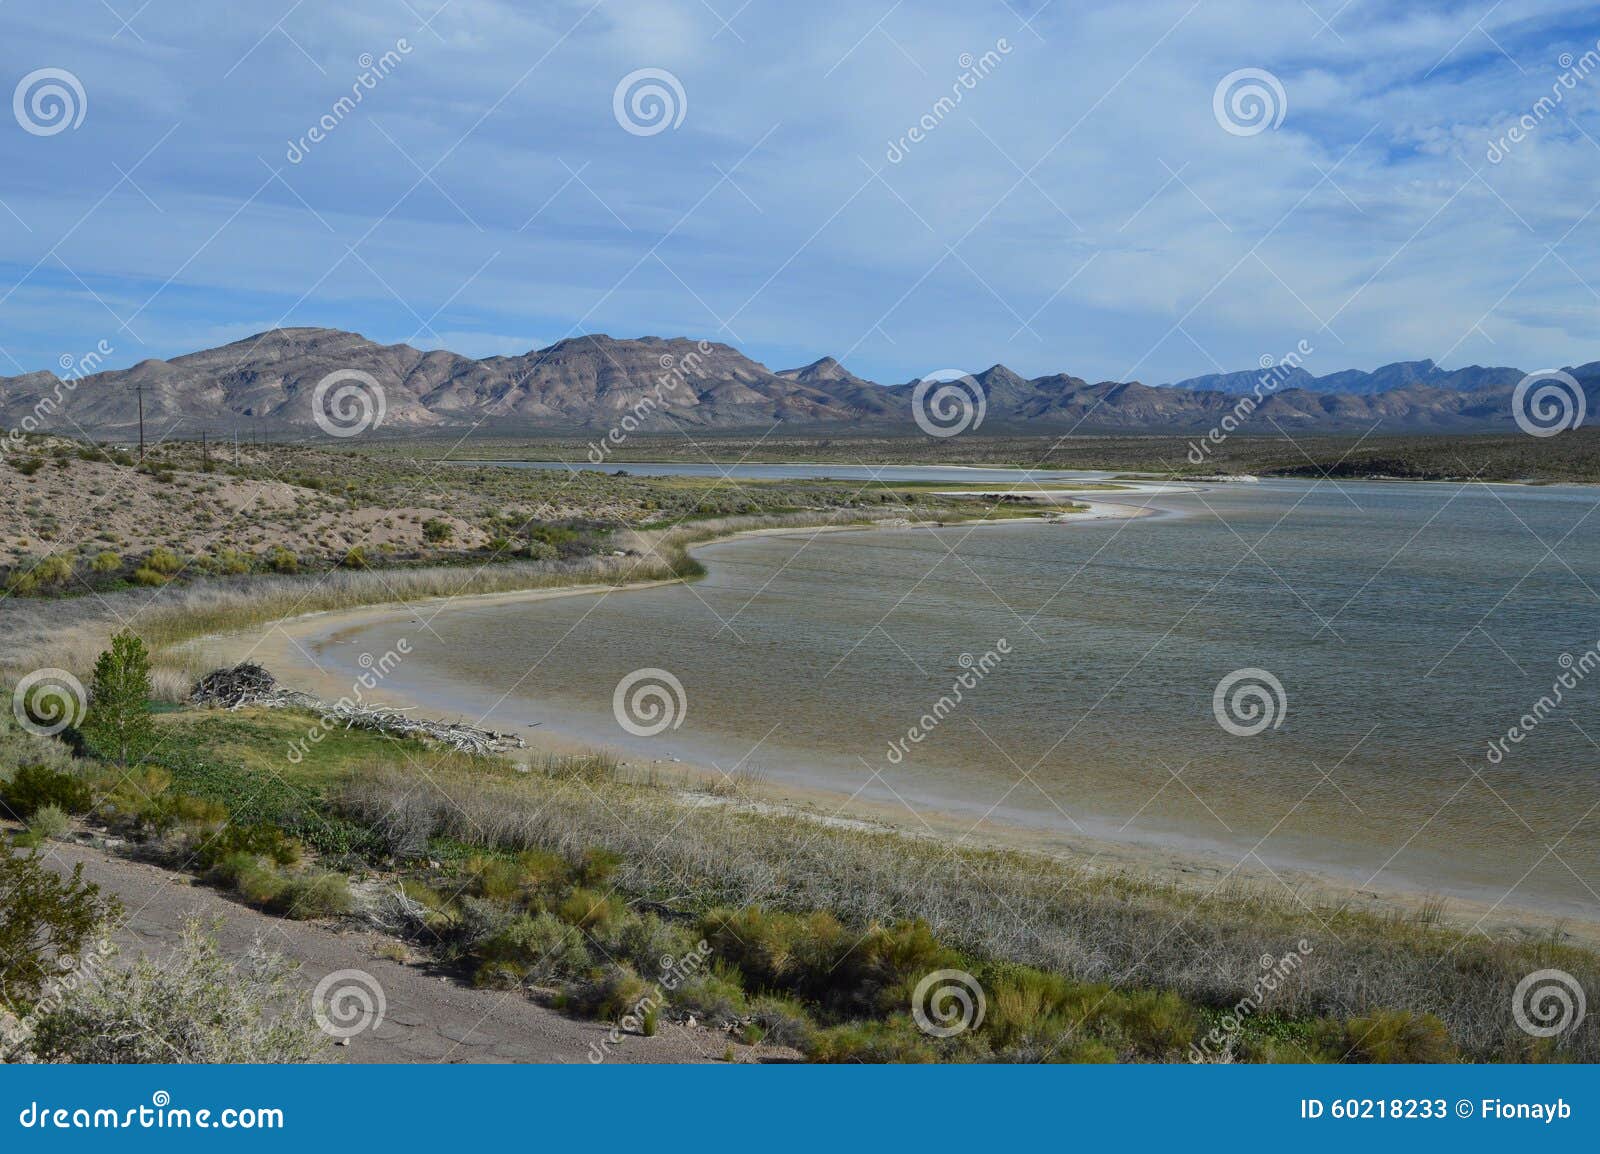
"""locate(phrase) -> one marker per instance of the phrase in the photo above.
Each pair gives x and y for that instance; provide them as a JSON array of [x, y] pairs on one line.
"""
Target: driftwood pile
[[248, 684]]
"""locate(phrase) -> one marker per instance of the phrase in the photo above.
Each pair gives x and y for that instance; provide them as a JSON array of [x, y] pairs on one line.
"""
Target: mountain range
[[267, 383]]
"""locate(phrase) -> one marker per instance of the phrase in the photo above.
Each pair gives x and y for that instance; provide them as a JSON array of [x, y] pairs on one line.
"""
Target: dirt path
[[428, 1018]]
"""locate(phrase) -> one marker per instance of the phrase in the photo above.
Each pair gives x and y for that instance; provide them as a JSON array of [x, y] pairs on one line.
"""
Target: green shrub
[[49, 821], [437, 531], [230, 563], [313, 895], [229, 868], [257, 882], [54, 570], [148, 577], [598, 867], [105, 562], [894, 1041], [1389, 1036], [163, 561], [281, 560], [591, 909], [356, 558], [1157, 1025], [715, 994], [44, 917], [534, 948], [258, 839], [495, 879], [196, 1006], [616, 993], [34, 787], [22, 583], [783, 1022]]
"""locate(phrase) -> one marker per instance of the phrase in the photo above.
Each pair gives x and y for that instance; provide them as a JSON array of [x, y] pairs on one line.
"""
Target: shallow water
[[1408, 624], [808, 472]]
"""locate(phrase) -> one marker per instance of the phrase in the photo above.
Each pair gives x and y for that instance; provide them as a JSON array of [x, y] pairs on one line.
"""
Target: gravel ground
[[429, 1017]]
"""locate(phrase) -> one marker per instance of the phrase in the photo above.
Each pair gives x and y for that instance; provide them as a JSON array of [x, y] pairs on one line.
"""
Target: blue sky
[[1082, 208]]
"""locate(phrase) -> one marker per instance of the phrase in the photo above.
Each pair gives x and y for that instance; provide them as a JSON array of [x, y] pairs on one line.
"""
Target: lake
[[1409, 625]]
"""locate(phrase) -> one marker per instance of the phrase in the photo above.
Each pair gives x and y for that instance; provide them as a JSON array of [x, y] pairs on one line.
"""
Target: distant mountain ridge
[[268, 383], [1354, 382]]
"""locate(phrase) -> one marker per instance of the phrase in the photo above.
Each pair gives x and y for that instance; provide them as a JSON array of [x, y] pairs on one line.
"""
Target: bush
[[49, 822], [281, 560], [356, 558], [1388, 1036], [260, 839], [163, 561], [783, 1022], [54, 570], [44, 918], [254, 880], [313, 895], [105, 562], [592, 910], [894, 1041], [230, 563], [715, 995], [35, 787], [533, 949], [148, 577], [196, 1007], [437, 531], [617, 993]]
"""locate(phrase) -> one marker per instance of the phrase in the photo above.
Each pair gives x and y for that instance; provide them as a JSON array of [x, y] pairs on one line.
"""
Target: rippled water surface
[[1409, 626]]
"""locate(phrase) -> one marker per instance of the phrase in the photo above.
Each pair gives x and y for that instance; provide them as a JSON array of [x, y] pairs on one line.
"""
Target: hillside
[[267, 384]]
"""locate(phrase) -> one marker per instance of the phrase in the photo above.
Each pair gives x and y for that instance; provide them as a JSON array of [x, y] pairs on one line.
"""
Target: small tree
[[118, 722]]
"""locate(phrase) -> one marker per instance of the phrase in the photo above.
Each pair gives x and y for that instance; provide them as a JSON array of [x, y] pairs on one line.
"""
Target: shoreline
[[284, 647]]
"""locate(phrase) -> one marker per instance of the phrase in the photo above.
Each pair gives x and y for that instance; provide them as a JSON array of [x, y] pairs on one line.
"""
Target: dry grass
[[1092, 926]]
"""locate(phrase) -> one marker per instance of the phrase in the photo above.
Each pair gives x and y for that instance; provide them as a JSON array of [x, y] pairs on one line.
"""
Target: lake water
[[1409, 626], [805, 472]]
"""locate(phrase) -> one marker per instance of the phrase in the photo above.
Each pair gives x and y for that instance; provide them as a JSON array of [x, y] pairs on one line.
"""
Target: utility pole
[[139, 388], [205, 455]]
